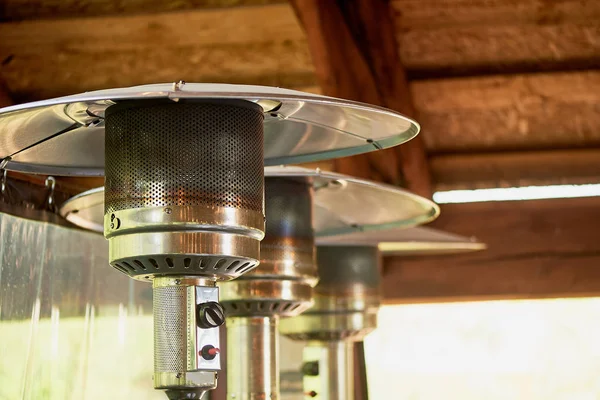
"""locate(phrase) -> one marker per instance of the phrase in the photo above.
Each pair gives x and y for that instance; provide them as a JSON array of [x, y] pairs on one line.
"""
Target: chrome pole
[[253, 358], [329, 370]]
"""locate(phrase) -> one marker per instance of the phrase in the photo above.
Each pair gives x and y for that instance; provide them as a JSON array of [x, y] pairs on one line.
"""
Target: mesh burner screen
[[186, 153]]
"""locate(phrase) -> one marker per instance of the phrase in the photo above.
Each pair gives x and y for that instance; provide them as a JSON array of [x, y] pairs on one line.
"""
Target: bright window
[[533, 349]]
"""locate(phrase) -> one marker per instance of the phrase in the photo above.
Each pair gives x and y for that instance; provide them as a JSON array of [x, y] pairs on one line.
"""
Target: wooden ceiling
[[507, 93], [485, 76]]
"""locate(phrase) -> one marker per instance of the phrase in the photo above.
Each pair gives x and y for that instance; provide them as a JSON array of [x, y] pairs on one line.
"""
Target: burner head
[[347, 297], [184, 187], [283, 283]]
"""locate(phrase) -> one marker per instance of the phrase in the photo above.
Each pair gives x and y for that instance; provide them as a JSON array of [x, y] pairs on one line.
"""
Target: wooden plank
[[5, 97], [530, 168], [17, 10], [356, 57], [372, 27], [51, 58], [536, 249], [341, 69], [509, 112], [436, 38], [441, 38], [433, 14]]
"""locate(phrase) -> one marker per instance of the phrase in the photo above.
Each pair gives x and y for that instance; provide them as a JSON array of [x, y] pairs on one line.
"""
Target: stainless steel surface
[[282, 287], [407, 242], [215, 242], [161, 153], [347, 296], [264, 297], [283, 283], [349, 326], [179, 366], [212, 218], [177, 205], [335, 378], [342, 205], [65, 136], [219, 256], [86, 210], [70, 327], [252, 358]]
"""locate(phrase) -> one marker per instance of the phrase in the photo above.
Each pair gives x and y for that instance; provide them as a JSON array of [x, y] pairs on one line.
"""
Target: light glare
[[517, 193]]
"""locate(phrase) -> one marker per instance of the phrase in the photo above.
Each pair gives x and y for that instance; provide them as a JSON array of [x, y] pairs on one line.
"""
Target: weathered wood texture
[[255, 45], [356, 57], [16, 10], [5, 98], [511, 112], [448, 37], [532, 168], [536, 249], [266, 45], [436, 37]]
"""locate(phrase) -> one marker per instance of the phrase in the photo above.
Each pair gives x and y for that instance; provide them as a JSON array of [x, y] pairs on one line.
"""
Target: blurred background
[[507, 94]]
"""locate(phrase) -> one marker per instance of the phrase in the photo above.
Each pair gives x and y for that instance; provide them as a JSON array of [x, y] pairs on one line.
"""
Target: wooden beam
[[509, 112], [433, 14], [536, 249], [19, 10], [120, 43], [446, 37], [43, 59], [5, 97], [528, 168], [353, 47]]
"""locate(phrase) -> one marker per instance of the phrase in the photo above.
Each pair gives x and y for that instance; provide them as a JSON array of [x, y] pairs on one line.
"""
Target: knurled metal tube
[[335, 378], [176, 346], [252, 358]]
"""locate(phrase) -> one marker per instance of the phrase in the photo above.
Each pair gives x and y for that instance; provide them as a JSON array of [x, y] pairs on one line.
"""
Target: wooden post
[[356, 57]]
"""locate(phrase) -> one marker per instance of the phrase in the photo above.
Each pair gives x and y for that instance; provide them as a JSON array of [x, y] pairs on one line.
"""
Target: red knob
[[209, 352]]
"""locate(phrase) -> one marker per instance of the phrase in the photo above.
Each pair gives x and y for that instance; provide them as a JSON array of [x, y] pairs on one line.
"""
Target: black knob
[[210, 315], [310, 368]]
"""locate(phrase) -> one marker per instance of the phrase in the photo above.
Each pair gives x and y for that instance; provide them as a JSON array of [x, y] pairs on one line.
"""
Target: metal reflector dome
[[343, 205], [407, 242], [65, 135]]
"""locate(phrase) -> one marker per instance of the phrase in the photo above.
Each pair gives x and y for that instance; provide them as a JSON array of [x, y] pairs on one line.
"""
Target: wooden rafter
[[511, 169], [356, 57], [5, 98], [536, 249]]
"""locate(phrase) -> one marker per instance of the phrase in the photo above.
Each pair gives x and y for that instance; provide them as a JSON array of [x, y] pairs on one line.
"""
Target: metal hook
[[178, 85], [4, 172], [50, 184]]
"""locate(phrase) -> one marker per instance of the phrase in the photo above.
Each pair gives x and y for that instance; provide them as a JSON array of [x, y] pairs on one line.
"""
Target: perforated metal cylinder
[[178, 367], [184, 187], [347, 296], [170, 328], [282, 284]]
